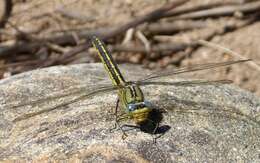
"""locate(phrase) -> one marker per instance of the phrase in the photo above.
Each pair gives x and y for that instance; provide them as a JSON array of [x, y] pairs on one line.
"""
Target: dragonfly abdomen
[[109, 63]]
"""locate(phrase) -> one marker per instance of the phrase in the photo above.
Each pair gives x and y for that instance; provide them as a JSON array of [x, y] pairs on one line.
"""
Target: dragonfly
[[131, 98]]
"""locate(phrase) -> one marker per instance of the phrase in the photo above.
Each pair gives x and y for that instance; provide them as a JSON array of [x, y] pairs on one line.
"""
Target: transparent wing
[[82, 89], [186, 83], [83, 95], [189, 69]]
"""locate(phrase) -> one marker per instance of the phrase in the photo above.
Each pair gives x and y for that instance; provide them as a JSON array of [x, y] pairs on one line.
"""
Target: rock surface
[[207, 123]]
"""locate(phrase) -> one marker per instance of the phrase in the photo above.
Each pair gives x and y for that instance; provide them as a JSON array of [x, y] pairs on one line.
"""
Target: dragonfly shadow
[[152, 125]]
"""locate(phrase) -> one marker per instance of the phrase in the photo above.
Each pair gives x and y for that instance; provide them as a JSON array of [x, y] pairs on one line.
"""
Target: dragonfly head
[[140, 111]]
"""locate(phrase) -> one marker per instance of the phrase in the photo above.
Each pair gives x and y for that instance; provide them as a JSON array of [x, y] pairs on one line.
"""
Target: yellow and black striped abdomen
[[109, 63]]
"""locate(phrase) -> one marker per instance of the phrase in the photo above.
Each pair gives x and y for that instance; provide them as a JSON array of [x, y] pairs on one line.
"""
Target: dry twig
[[221, 11], [152, 16], [184, 10]]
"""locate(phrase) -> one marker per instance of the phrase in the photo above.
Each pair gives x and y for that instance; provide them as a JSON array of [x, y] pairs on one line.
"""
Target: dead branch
[[152, 16], [177, 46], [32, 44], [5, 11], [221, 11], [171, 28], [19, 47], [189, 9], [158, 48], [67, 38], [23, 63]]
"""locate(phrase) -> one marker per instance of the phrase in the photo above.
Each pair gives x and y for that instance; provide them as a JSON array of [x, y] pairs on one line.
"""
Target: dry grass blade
[[228, 51]]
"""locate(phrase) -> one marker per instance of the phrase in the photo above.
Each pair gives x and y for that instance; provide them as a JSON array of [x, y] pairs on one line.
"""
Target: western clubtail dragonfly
[[130, 96]]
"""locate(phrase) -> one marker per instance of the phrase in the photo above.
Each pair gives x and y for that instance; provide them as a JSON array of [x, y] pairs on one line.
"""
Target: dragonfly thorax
[[131, 94], [132, 100]]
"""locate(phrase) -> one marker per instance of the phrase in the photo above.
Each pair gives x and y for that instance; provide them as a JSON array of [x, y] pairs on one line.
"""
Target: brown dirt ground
[[43, 17]]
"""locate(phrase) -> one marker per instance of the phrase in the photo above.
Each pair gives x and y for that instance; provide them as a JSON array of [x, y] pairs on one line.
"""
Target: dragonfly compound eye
[[148, 104], [131, 107]]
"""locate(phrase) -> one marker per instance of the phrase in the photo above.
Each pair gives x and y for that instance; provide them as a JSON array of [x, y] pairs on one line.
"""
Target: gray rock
[[204, 123]]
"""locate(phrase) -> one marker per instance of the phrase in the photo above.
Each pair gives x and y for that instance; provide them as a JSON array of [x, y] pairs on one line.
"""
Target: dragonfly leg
[[124, 135], [154, 132], [117, 104], [132, 126], [118, 119]]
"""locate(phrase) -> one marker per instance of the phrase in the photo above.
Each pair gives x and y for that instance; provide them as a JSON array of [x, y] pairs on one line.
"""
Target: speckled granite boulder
[[206, 123]]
